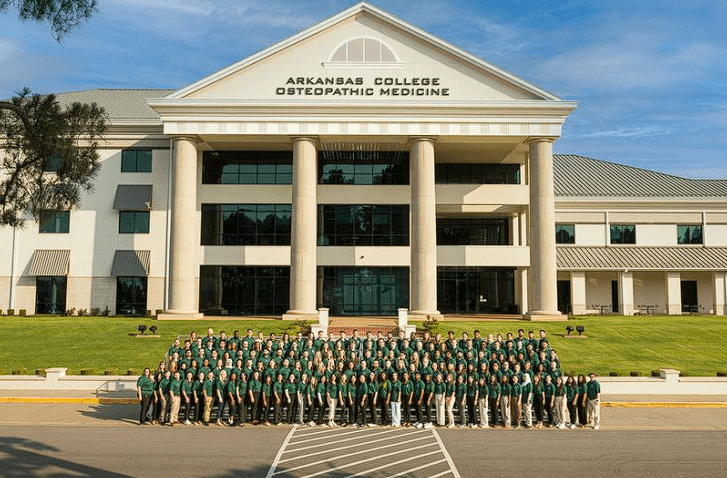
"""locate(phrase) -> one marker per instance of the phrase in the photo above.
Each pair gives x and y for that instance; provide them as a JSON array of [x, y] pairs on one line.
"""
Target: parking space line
[[374, 458], [324, 437], [441, 474], [446, 454], [387, 465], [411, 470], [300, 457]]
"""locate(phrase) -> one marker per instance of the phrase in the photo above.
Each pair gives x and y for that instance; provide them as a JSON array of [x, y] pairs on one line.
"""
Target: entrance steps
[[362, 324]]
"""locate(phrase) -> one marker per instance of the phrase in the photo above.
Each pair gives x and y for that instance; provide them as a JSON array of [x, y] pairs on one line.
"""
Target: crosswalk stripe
[[455, 473], [359, 452], [347, 446], [324, 437], [374, 458], [363, 473], [426, 465]]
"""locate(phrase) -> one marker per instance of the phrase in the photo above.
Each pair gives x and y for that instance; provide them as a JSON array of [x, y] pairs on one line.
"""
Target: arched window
[[364, 50]]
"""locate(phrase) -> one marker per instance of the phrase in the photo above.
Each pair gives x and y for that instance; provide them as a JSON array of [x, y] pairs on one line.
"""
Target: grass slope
[[692, 344]]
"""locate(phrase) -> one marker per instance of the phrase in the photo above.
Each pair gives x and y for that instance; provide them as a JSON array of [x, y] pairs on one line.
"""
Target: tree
[[48, 151], [63, 15]]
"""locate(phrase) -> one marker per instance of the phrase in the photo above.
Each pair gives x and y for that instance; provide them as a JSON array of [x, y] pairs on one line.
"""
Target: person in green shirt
[[343, 399], [516, 404], [321, 402], [353, 399], [493, 396], [593, 393], [505, 401], [290, 397], [482, 401], [582, 400], [231, 397], [312, 399], [241, 396], [407, 397], [362, 399], [266, 399], [254, 391], [372, 388], [207, 396], [527, 400], [175, 391], [472, 393], [418, 399], [382, 397], [571, 396], [559, 403], [186, 396], [332, 399], [220, 395], [277, 400], [395, 400], [549, 391], [449, 399], [163, 393], [145, 395]]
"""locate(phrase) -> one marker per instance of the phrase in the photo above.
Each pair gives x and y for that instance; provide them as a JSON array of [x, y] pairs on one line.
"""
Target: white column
[[524, 231], [423, 228], [626, 292], [720, 293], [303, 237], [718, 284], [578, 292], [521, 285], [673, 293], [543, 297], [515, 229], [183, 266]]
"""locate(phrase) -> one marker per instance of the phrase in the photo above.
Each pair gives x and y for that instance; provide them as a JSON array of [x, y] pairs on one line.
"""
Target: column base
[[542, 316], [422, 314], [175, 315], [301, 315]]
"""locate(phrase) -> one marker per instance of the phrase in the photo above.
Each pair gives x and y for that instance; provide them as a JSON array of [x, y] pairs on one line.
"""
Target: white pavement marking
[[300, 457], [364, 439], [453, 468], [271, 471]]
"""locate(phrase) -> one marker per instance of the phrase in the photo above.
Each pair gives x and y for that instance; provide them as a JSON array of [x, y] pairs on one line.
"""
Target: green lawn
[[692, 344]]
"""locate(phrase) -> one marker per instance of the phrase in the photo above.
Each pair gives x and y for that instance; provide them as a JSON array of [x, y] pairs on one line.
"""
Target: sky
[[650, 76]]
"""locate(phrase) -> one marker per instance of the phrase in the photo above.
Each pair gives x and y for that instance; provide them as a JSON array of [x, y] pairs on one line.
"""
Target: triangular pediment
[[363, 54]]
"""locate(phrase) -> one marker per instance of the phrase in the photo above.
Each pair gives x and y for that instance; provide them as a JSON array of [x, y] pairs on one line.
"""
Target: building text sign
[[358, 86]]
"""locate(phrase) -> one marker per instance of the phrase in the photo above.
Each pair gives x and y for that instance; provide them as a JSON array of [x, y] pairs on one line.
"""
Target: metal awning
[[50, 262], [131, 264], [641, 258], [133, 197]]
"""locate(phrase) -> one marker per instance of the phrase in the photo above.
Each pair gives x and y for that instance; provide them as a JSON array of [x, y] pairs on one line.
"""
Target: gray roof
[[122, 106], [641, 258], [50, 262], [131, 263], [578, 176]]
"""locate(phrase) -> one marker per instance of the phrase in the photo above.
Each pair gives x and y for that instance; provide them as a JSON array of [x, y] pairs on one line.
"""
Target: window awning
[[50, 262], [641, 258], [133, 197], [131, 264]]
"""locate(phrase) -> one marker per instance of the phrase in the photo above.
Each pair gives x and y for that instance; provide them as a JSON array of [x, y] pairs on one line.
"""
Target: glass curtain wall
[[237, 290], [476, 290], [131, 295], [363, 290], [50, 295]]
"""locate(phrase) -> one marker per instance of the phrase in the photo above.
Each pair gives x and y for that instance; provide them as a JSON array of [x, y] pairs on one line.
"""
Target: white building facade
[[364, 166]]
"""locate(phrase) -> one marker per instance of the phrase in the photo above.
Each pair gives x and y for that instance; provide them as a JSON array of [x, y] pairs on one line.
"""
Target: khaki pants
[[482, 409], [559, 410], [516, 409], [207, 408], [505, 410], [528, 409], [332, 403], [594, 412], [163, 416], [449, 402], [439, 408], [174, 415], [301, 405]]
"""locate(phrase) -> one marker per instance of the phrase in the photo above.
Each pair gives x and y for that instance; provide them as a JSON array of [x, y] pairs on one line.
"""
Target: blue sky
[[650, 76]]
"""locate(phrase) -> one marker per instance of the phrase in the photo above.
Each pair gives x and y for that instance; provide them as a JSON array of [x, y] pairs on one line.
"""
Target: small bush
[[656, 373], [95, 311], [70, 312], [11, 311], [431, 325], [85, 371], [23, 312], [159, 312], [40, 372], [131, 372], [635, 374], [106, 311], [613, 374], [722, 374], [147, 313], [82, 312]]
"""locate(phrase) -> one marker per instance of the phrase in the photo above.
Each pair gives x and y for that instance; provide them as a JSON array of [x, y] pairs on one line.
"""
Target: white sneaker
[[450, 425], [428, 426], [596, 427], [484, 426], [418, 425], [371, 425], [187, 422], [572, 426]]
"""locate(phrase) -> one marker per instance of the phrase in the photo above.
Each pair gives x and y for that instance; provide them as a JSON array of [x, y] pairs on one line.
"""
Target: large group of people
[[372, 380]]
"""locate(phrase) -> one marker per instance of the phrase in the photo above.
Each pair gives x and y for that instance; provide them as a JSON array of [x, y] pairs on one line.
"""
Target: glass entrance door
[[364, 290], [475, 290]]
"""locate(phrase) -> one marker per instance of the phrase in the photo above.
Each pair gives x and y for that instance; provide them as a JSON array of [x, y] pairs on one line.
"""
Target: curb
[[664, 404]]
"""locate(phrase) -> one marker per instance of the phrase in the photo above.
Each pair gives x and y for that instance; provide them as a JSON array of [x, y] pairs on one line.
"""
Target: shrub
[[159, 312], [147, 313], [656, 373], [106, 311], [613, 374], [23, 312], [431, 325], [82, 312], [70, 312], [11, 311], [95, 311], [635, 374], [722, 374]]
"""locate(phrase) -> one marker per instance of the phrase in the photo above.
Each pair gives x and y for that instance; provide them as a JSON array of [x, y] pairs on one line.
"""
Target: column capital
[[188, 137], [428, 139], [313, 139], [540, 139]]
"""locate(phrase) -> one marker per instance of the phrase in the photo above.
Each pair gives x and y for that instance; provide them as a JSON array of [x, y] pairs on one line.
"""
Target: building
[[364, 165]]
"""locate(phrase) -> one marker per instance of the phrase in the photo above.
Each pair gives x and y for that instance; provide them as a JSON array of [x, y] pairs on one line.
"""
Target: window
[[134, 222], [364, 50], [247, 167], [50, 294], [565, 234], [364, 290], [244, 290], [52, 164], [472, 231], [246, 224], [623, 234], [57, 222], [363, 167], [363, 225], [689, 234], [136, 161], [131, 295], [477, 173]]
